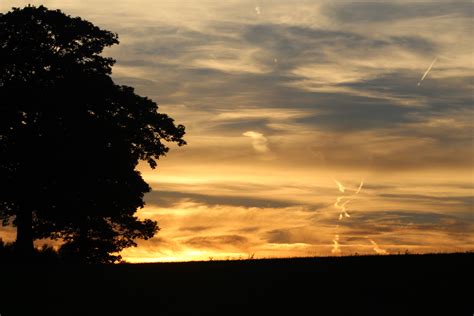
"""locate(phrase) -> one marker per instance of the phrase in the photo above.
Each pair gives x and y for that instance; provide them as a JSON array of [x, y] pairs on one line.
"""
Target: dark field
[[439, 284]]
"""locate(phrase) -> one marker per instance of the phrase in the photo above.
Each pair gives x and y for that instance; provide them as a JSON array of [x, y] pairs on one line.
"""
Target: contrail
[[340, 186], [377, 249], [342, 206], [335, 247], [427, 71], [360, 187], [343, 213]]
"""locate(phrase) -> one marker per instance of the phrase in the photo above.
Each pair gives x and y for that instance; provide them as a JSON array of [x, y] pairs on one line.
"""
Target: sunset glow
[[314, 128]]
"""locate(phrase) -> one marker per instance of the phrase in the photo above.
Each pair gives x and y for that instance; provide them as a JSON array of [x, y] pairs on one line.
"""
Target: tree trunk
[[24, 234], [82, 240]]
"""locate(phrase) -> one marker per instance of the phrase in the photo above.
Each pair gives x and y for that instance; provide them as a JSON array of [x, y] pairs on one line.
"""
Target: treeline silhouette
[[41, 255], [71, 139], [435, 284], [47, 254]]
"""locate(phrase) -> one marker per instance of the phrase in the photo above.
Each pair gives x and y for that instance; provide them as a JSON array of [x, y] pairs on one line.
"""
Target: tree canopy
[[71, 139]]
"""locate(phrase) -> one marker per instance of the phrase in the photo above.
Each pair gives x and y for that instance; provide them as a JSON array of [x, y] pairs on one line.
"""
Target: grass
[[433, 284]]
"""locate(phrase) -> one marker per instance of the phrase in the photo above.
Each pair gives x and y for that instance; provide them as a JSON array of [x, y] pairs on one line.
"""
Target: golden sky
[[313, 127]]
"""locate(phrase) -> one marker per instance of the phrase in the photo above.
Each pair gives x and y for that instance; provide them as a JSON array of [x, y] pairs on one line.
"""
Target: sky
[[314, 128]]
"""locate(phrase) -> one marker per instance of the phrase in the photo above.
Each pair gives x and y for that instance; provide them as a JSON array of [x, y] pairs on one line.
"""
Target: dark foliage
[[70, 138]]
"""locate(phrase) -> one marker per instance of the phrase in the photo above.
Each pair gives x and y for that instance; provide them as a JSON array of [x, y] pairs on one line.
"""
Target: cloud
[[340, 102], [387, 12], [259, 141], [7, 233], [195, 229], [218, 241], [163, 198], [392, 223], [294, 235]]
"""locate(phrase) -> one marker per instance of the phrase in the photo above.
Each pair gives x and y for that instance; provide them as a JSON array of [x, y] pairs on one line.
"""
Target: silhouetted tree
[[70, 138]]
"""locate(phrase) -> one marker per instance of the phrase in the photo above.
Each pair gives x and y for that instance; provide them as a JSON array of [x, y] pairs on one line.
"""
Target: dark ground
[[439, 284]]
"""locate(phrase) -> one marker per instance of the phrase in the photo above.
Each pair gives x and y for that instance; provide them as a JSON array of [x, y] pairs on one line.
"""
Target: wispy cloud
[[259, 141]]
